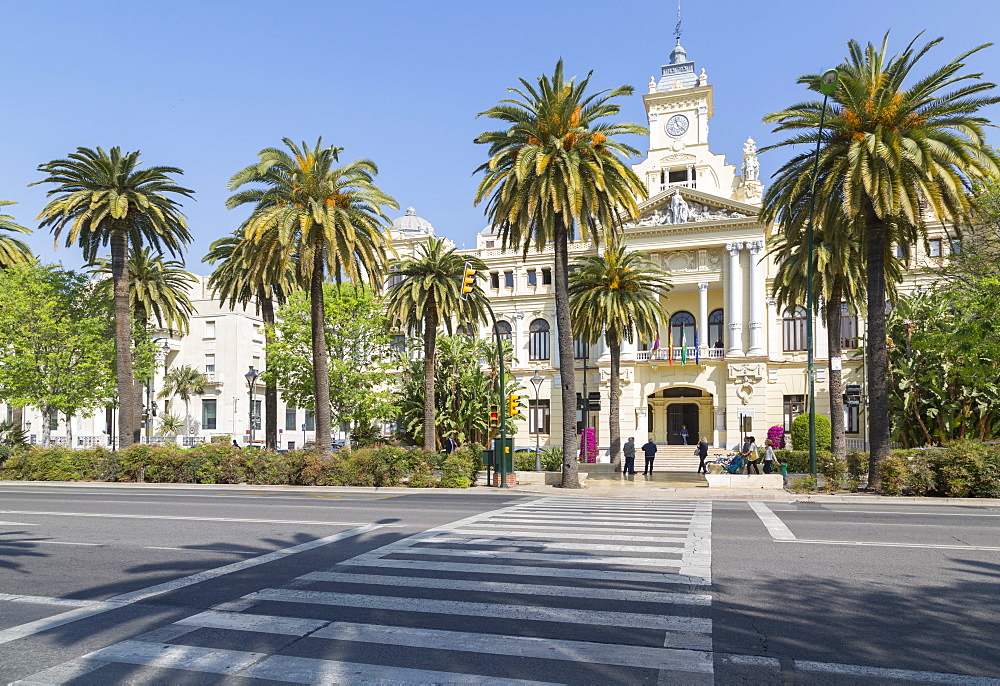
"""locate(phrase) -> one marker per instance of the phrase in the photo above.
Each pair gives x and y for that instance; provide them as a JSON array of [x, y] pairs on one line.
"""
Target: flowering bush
[[588, 446], [777, 436]]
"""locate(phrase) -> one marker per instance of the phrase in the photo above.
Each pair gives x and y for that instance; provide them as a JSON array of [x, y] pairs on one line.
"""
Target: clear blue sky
[[205, 85]]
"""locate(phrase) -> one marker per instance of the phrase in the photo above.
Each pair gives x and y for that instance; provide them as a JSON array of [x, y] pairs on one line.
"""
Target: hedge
[[220, 463]]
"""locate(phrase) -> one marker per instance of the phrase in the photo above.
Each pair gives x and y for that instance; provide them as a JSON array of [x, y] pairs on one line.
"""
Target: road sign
[[191, 431]]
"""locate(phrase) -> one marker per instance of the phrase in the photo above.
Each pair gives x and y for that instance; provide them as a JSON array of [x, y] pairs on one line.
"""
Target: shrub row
[[965, 469], [217, 463]]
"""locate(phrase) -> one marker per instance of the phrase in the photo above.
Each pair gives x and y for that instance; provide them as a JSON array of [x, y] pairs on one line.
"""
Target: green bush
[[552, 459], [857, 464], [800, 432], [803, 484], [966, 469], [455, 472], [832, 469], [797, 460], [894, 474]]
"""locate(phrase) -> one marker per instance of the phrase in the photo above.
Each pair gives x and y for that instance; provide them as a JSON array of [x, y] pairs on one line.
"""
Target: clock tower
[[678, 107]]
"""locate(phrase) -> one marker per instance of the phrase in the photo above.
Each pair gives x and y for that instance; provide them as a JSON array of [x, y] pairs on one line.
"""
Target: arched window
[[793, 329], [503, 328], [716, 329], [581, 350], [682, 328], [538, 340]]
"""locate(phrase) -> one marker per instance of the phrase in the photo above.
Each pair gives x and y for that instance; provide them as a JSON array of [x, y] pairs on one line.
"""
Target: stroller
[[734, 465]]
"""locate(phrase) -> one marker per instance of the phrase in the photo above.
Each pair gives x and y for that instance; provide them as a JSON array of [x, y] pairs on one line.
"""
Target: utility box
[[503, 455], [489, 458]]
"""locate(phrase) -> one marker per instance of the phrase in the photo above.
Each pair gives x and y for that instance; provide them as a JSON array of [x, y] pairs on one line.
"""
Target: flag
[[670, 346], [684, 350], [697, 350]]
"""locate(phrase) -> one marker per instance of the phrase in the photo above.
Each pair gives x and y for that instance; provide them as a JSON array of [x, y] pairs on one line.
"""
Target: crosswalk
[[557, 590]]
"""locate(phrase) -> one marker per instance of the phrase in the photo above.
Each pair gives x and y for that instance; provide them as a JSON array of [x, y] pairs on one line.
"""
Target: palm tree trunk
[[878, 358], [271, 389], [567, 366], [834, 321], [17, 417], [614, 402], [321, 367], [128, 410], [430, 348]]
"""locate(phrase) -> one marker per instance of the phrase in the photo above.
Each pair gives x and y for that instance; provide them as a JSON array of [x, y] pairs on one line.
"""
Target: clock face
[[677, 125]]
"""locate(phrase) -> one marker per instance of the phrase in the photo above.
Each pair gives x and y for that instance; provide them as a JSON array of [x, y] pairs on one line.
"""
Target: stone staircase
[[673, 458]]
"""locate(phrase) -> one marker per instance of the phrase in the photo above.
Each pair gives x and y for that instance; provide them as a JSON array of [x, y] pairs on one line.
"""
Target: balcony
[[681, 184], [214, 378], [663, 354]]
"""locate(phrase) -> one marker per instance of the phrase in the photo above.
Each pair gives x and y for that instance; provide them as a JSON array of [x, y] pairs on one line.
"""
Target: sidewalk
[[665, 492]]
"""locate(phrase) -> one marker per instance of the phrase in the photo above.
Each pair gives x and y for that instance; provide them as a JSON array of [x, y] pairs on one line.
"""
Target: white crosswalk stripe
[[552, 591]]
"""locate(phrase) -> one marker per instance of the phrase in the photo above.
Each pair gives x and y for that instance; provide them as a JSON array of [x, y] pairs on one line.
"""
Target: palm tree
[[158, 289], [558, 171], [12, 250], [892, 147], [261, 273], [184, 381], [617, 295], [330, 217], [170, 425], [105, 199], [428, 296]]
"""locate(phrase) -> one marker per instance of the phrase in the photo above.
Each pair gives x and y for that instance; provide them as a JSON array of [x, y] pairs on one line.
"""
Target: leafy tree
[[158, 289], [55, 349], [427, 297], [12, 250], [617, 295], [184, 381], [893, 146], [556, 172], [357, 338], [262, 273], [105, 199], [329, 217]]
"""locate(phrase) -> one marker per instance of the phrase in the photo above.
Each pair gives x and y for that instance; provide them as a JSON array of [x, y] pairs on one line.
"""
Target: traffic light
[[494, 416], [468, 281], [512, 404]]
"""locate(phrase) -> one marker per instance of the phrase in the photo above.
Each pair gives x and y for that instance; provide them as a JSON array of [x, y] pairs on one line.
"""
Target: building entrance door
[[681, 415]]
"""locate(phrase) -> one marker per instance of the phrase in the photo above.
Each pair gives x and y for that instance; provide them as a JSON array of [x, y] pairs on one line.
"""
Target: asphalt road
[[109, 585]]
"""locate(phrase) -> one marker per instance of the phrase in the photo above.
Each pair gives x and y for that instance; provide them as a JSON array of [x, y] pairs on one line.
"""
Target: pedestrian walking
[[628, 450], [684, 433], [649, 450], [749, 453], [450, 444], [702, 455], [235, 444], [769, 458]]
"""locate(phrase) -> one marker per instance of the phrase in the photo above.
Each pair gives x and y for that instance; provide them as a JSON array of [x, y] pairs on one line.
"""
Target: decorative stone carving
[[652, 83], [734, 248], [680, 213], [696, 212], [703, 78], [714, 261], [624, 375], [751, 168]]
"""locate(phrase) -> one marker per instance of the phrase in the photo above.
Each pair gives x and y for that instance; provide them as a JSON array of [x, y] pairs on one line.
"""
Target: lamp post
[[536, 381], [828, 84], [251, 377]]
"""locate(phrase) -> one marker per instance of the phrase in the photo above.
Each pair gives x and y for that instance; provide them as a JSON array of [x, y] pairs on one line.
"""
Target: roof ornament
[[677, 29]]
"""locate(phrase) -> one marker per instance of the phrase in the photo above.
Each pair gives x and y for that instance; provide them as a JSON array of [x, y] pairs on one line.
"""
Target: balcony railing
[[663, 353], [682, 184]]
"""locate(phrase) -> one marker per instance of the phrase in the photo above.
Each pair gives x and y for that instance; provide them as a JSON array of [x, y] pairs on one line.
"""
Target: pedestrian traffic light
[[513, 401], [494, 416], [468, 280]]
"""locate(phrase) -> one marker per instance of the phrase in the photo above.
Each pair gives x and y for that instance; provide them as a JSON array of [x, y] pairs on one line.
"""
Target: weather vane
[[677, 29]]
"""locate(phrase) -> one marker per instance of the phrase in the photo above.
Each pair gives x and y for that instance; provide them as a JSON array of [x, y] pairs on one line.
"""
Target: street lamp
[[536, 381], [828, 84], [251, 377]]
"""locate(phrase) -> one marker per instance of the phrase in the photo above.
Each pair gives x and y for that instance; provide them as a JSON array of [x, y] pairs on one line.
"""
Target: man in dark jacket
[[649, 450], [628, 450]]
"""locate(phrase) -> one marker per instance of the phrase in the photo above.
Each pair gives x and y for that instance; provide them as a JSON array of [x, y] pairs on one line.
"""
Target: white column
[[756, 298], [703, 341], [735, 309]]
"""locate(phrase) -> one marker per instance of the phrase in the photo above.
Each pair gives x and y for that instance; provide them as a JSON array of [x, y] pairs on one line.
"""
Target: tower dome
[[412, 225]]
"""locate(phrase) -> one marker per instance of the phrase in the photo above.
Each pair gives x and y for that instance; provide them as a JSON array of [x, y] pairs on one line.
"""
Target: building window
[[851, 423], [494, 279], [505, 331], [716, 322], [398, 343], [956, 246], [395, 278], [210, 329], [10, 415], [508, 279], [581, 350], [290, 419], [532, 277], [934, 247], [256, 415], [310, 420], [538, 416], [682, 328], [209, 364], [793, 330], [900, 252], [546, 277], [538, 340], [256, 332], [208, 414], [793, 406], [54, 421], [848, 328], [490, 244], [649, 419]]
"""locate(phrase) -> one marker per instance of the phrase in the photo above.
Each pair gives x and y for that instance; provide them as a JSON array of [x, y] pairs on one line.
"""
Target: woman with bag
[[702, 452], [750, 455], [769, 458]]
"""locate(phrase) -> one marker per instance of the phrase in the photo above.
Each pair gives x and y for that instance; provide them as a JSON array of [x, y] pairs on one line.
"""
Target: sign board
[[191, 431], [303, 428]]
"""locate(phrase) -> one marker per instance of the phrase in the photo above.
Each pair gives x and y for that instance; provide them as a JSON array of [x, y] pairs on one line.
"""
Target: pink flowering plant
[[777, 436], [588, 446]]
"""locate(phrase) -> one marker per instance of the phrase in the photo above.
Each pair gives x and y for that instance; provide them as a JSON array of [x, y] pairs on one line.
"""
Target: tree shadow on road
[[11, 548]]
